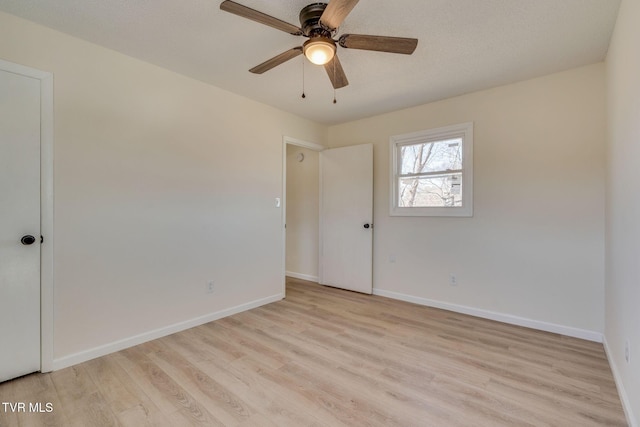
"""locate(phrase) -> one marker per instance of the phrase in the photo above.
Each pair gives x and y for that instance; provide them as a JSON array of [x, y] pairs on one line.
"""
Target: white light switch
[[277, 202]]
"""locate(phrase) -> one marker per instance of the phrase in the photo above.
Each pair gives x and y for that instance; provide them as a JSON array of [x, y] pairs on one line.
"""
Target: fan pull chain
[[303, 95], [334, 79]]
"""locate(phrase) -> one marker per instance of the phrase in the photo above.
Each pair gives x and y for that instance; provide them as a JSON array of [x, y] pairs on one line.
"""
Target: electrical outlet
[[453, 280], [627, 351], [210, 287]]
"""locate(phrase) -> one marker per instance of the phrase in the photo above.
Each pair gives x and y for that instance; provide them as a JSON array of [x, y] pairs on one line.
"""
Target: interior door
[[346, 217], [19, 225]]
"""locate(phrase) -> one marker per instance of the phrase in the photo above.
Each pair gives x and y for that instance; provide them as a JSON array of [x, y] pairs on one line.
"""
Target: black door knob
[[28, 240], [367, 226]]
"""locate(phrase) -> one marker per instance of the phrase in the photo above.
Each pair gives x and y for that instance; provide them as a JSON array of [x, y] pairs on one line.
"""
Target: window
[[432, 172]]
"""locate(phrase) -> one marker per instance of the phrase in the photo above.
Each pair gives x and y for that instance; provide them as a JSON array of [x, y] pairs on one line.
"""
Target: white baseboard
[[302, 276], [624, 398], [103, 350], [492, 315]]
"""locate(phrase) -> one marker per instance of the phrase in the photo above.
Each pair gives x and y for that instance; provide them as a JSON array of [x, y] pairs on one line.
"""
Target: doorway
[[339, 241], [301, 208], [27, 138]]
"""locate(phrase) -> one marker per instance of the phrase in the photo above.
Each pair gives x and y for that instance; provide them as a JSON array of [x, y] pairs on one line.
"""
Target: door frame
[[287, 140], [46, 206]]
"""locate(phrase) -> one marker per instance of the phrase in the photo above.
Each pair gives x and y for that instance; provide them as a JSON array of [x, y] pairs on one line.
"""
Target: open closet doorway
[[301, 177], [328, 215]]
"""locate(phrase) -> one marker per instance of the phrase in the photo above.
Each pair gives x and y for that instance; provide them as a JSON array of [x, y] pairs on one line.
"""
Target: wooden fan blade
[[335, 12], [336, 73], [254, 15], [276, 60], [379, 43]]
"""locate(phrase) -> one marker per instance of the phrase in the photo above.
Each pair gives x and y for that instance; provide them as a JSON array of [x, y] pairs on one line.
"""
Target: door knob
[[367, 225], [28, 240]]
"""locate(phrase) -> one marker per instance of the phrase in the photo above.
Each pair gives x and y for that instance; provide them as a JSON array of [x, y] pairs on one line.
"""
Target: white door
[[346, 217], [19, 225]]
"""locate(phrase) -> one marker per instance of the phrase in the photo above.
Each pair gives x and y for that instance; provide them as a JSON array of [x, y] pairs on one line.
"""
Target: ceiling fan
[[319, 22]]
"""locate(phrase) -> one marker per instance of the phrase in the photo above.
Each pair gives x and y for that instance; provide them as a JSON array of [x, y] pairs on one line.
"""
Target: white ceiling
[[464, 46]]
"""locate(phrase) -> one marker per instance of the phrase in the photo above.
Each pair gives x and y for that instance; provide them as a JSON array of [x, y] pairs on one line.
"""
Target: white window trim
[[464, 130]]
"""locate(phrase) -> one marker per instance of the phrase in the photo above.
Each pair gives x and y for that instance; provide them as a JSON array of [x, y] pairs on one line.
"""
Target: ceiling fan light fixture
[[319, 50]]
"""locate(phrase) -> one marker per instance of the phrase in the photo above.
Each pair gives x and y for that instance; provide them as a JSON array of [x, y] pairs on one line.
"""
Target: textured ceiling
[[464, 46]]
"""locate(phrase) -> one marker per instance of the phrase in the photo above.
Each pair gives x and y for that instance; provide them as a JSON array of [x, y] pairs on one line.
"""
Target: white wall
[[623, 205], [534, 248], [162, 183], [302, 213]]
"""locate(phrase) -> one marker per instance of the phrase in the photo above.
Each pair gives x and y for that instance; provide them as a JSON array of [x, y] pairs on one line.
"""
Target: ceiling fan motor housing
[[310, 21]]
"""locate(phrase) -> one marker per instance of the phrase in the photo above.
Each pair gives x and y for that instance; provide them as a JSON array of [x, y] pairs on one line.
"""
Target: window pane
[[431, 156], [441, 191]]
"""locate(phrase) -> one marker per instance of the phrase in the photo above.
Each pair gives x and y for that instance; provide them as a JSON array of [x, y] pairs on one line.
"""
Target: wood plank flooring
[[327, 357]]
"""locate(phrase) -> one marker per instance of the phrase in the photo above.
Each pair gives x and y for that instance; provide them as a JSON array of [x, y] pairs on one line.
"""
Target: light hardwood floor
[[327, 357]]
